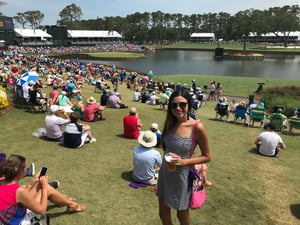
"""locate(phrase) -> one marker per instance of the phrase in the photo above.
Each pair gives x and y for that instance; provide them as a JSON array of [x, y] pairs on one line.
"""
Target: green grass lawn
[[227, 46], [232, 85], [116, 54], [247, 188]]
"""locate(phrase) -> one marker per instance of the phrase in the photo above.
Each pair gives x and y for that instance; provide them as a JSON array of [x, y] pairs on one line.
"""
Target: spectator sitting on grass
[[93, 111], [76, 134], [163, 99], [63, 100], [78, 106], [53, 96], [54, 123], [269, 142], [115, 102], [137, 95], [154, 129], [132, 124], [146, 160], [104, 98], [72, 88], [153, 99], [21, 201]]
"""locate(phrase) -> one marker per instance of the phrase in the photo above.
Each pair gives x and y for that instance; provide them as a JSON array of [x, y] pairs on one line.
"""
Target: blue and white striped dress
[[173, 186]]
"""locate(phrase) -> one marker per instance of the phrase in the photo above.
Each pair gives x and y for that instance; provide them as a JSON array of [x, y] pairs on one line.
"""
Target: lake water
[[164, 62]]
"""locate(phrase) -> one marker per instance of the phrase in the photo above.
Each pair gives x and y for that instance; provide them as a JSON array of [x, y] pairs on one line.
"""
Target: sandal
[[77, 208]]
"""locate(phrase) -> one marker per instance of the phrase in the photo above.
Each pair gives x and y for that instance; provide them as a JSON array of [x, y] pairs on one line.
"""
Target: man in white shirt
[[137, 96], [54, 123], [269, 142], [153, 99]]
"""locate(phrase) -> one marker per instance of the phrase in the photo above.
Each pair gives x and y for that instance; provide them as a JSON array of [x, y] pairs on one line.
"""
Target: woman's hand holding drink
[[170, 162]]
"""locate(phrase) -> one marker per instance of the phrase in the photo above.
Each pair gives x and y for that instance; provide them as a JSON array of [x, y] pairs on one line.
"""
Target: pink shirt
[[53, 94], [8, 195], [16, 211], [89, 110]]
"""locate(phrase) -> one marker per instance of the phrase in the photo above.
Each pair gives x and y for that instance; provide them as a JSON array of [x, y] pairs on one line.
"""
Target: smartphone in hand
[[43, 171]]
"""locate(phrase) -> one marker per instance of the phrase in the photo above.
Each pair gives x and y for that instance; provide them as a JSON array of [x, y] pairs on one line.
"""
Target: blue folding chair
[[240, 113]]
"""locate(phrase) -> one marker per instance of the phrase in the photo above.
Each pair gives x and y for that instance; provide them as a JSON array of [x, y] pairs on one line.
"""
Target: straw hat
[[147, 139], [91, 100]]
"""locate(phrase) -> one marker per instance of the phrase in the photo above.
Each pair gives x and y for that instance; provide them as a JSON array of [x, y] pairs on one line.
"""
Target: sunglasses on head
[[181, 105]]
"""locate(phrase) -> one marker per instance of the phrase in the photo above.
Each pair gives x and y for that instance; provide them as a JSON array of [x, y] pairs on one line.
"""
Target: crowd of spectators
[[145, 90]]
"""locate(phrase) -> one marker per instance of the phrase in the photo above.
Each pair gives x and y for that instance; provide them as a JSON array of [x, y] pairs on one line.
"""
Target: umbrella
[[27, 77]]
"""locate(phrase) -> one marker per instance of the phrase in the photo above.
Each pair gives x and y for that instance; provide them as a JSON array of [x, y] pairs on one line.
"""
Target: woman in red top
[[132, 124]]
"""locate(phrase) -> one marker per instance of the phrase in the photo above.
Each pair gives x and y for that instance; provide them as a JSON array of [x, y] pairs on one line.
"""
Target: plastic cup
[[171, 167]]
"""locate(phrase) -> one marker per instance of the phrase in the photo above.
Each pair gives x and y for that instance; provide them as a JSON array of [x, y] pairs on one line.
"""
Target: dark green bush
[[286, 97]]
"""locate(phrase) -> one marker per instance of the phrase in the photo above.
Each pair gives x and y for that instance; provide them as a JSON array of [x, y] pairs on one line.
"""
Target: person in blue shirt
[[146, 160], [154, 129]]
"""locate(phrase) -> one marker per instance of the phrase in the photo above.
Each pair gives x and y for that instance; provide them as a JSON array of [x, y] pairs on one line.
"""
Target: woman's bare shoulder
[[200, 126]]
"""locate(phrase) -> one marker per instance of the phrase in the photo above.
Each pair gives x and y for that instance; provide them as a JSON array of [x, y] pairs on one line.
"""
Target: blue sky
[[92, 9]]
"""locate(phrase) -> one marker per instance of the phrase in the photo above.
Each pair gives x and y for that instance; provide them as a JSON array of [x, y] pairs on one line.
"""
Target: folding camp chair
[[35, 104], [19, 100], [257, 115], [278, 121], [240, 113], [294, 123], [222, 111]]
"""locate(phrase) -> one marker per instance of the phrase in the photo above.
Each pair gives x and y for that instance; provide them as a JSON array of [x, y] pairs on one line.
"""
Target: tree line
[[162, 28]]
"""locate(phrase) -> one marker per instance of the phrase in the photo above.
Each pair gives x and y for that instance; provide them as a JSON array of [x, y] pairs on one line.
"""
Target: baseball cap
[[154, 126], [132, 110], [54, 108]]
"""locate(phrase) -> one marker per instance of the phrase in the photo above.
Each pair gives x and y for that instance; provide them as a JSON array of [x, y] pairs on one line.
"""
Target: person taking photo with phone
[[16, 201]]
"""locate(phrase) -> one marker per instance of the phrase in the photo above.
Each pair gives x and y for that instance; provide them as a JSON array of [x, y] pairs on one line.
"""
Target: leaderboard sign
[[6, 23]]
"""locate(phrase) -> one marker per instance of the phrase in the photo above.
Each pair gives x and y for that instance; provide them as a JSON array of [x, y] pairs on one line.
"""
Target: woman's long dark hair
[[12, 167], [171, 120]]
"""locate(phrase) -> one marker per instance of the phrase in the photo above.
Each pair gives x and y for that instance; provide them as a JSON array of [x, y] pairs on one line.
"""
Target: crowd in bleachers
[[103, 47]]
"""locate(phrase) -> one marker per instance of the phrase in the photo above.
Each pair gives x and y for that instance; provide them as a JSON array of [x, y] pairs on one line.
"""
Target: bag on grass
[[39, 132]]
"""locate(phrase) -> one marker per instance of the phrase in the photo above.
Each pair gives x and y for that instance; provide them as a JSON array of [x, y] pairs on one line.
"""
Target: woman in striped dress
[[172, 187]]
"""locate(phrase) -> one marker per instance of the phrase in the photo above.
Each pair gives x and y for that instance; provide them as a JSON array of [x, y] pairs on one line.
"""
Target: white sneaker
[[30, 171], [93, 140]]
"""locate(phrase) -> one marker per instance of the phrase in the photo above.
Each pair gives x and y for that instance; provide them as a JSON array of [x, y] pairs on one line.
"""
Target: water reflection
[[164, 62]]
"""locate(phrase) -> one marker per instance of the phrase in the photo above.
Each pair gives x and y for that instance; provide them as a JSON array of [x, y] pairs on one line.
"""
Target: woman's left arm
[[201, 139]]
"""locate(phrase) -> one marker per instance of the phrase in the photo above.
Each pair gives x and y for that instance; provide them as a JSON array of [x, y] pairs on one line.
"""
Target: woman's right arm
[[32, 200]]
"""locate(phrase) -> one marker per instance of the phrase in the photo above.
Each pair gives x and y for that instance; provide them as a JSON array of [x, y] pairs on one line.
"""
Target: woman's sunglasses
[[181, 105]]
